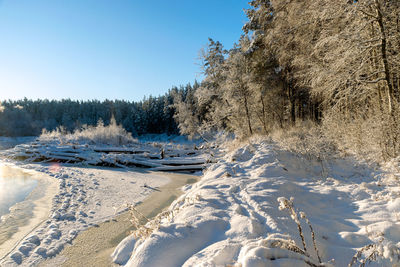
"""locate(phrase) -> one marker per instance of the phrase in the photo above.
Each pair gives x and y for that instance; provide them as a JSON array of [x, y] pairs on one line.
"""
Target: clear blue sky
[[115, 49]]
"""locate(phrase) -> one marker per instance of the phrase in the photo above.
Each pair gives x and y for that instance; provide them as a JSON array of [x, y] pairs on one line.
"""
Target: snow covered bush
[[306, 139], [112, 134]]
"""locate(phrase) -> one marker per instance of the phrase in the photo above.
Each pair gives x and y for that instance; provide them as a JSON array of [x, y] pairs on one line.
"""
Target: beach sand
[[40, 199], [94, 246]]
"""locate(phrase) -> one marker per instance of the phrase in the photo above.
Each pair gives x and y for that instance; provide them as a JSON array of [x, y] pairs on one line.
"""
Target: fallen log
[[108, 150], [181, 162], [190, 168], [138, 163]]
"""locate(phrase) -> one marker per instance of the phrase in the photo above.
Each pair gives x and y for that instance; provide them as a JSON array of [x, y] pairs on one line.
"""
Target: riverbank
[[86, 197], [29, 214], [94, 246]]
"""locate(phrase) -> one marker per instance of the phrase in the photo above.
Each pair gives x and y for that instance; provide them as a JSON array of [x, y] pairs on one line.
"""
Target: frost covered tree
[[335, 63], [186, 106], [355, 69], [237, 95], [209, 94]]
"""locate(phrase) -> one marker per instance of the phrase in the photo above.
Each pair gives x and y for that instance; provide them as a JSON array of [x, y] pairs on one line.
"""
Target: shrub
[[112, 134]]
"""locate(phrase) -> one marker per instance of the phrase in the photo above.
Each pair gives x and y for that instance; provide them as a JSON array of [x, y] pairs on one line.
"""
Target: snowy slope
[[232, 216]]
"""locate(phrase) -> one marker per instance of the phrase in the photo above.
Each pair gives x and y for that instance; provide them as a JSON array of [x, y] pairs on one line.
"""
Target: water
[[10, 142], [15, 186]]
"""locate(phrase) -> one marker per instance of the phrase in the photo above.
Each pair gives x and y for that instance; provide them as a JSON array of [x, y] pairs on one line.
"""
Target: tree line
[[29, 117], [335, 63]]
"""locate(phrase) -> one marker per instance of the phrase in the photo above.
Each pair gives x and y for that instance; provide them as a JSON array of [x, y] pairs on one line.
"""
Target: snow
[[240, 213], [123, 251], [86, 197], [158, 156], [89, 195], [234, 215]]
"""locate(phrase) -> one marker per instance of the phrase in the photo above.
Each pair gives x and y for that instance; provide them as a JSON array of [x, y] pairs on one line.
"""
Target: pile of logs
[[154, 156]]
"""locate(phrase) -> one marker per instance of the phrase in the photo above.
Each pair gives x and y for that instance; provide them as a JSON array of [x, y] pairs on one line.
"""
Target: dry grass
[[372, 256], [370, 134], [144, 226], [306, 139], [363, 256], [286, 204], [373, 139], [112, 134]]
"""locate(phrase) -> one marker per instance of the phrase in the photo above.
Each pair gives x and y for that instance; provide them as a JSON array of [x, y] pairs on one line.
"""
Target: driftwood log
[[152, 157]]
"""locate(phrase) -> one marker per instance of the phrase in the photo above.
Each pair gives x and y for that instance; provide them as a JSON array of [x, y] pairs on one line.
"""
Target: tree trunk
[[384, 56], [248, 115], [264, 115]]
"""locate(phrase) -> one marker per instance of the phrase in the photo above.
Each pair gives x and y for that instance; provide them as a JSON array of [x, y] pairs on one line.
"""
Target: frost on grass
[[112, 134]]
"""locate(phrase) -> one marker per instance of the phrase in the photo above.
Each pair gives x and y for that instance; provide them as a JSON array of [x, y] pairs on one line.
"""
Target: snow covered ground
[[232, 217], [86, 197], [89, 195]]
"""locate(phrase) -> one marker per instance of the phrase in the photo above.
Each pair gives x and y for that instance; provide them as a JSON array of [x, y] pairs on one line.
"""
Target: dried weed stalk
[[371, 251], [287, 244], [286, 204], [304, 216], [372, 256], [144, 226]]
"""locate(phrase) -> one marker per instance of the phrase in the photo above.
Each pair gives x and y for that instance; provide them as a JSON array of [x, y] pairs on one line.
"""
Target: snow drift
[[232, 216]]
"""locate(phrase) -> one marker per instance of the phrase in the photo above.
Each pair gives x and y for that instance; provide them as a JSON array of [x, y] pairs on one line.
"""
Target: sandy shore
[[86, 196], [94, 246], [40, 199]]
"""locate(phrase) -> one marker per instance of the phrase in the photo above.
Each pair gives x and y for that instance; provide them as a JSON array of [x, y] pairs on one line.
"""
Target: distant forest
[[151, 115]]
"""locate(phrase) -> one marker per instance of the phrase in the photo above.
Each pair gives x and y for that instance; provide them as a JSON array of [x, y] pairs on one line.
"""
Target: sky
[[108, 49]]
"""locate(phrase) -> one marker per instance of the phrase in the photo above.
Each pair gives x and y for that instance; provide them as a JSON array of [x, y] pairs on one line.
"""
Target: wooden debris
[[155, 157]]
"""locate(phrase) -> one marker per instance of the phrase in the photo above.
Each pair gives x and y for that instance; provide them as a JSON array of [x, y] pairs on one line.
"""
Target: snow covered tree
[[209, 94], [236, 91]]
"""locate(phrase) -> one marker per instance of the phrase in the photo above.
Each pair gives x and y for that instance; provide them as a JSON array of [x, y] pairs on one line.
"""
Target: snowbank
[[232, 216]]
